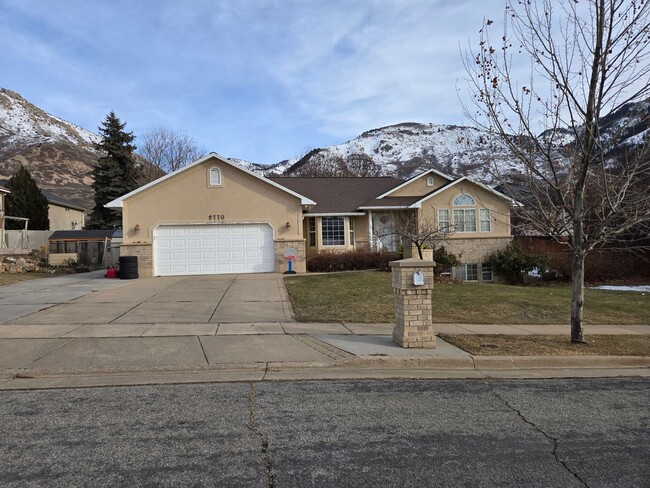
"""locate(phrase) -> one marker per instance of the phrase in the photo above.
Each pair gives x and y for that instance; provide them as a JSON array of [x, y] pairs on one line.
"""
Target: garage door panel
[[212, 249]]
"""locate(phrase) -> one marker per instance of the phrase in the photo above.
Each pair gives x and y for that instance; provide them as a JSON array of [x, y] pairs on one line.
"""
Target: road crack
[[541, 431], [264, 441]]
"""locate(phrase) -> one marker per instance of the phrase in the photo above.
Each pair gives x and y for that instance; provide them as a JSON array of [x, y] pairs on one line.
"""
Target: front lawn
[[367, 296], [551, 345]]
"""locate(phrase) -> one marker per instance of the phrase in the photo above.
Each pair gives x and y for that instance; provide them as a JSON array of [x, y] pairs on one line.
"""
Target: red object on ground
[[111, 273]]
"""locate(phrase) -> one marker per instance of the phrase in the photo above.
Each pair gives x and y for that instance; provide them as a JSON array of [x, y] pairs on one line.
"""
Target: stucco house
[[63, 214], [213, 216]]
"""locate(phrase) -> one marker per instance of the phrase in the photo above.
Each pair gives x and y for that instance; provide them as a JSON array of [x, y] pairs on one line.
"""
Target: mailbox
[[418, 278]]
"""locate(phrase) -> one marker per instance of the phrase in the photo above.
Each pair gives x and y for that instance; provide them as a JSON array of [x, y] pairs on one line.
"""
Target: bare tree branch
[[168, 150], [586, 60]]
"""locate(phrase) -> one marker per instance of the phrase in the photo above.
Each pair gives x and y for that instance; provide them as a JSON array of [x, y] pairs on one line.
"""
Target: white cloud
[[253, 79]]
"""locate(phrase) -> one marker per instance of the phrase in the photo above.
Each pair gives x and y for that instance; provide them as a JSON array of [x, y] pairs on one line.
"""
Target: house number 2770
[[214, 217]]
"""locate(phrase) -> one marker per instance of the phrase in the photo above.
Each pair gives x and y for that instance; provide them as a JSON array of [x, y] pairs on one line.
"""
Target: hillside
[[405, 149], [59, 155]]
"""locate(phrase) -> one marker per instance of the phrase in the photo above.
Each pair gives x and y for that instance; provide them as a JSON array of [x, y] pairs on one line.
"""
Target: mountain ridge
[[61, 155]]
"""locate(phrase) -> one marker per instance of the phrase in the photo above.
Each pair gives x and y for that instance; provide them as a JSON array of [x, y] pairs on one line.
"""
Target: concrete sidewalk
[[46, 356], [83, 330]]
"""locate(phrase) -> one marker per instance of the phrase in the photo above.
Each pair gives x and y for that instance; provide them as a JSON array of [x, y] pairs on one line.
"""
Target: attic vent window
[[430, 181], [215, 177]]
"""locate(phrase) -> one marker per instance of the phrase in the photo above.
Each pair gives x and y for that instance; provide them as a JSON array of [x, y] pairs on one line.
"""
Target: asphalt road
[[586, 432]]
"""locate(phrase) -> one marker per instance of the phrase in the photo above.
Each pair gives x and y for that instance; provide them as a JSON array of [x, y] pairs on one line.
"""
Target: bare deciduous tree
[[418, 231], [168, 150], [587, 59]]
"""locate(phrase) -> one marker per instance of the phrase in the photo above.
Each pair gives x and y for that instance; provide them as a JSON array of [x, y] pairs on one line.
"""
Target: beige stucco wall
[[499, 210], [61, 218], [187, 198], [419, 186], [58, 258]]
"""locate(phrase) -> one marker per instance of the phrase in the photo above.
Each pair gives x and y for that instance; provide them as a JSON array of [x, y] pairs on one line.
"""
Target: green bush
[[444, 260], [325, 261], [513, 262]]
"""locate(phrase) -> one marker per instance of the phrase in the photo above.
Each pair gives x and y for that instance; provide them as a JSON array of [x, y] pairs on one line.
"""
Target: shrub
[[513, 262], [325, 261], [444, 260]]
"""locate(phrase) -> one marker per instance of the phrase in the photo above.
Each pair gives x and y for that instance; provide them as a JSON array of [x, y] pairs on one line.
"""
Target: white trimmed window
[[486, 273], [465, 220], [215, 177], [430, 181], [351, 223], [485, 220], [468, 272], [332, 231], [443, 220], [311, 230]]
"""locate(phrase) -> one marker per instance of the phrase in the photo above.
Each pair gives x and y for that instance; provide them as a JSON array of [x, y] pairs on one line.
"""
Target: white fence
[[15, 239]]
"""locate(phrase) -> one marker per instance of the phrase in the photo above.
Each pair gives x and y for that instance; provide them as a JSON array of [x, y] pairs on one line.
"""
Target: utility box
[[412, 288]]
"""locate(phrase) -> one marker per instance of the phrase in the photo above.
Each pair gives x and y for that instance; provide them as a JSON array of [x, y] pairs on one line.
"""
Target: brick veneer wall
[[299, 264], [145, 257], [475, 250]]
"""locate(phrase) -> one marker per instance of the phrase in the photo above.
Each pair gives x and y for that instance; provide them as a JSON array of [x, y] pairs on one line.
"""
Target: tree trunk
[[577, 296]]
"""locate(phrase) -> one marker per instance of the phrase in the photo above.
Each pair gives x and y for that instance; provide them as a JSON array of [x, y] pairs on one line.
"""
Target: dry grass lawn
[[11, 278], [551, 345], [367, 296]]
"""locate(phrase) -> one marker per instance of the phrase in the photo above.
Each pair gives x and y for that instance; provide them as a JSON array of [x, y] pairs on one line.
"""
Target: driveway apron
[[206, 299]]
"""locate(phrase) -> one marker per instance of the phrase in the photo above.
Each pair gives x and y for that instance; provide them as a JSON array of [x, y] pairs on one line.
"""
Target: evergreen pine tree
[[115, 173], [26, 200]]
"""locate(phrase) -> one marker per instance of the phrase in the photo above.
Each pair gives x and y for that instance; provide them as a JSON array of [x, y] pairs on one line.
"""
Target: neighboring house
[[82, 246], [64, 214], [213, 216]]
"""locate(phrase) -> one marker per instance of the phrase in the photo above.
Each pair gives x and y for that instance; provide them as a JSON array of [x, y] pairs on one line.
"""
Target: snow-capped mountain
[[23, 124], [406, 149], [59, 155]]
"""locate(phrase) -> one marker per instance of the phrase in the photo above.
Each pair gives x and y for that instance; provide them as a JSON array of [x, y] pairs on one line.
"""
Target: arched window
[[430, 181], [215, 177], [463, 200], [464, 218]]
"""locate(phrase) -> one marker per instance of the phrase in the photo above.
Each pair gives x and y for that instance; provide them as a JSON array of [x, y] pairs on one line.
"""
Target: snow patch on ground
[[640, 288]]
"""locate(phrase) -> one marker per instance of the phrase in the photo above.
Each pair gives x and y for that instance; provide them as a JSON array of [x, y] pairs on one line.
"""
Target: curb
[[360, 368]]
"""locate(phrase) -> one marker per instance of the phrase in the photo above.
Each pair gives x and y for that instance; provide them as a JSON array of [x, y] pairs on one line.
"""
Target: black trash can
[[128, 267]]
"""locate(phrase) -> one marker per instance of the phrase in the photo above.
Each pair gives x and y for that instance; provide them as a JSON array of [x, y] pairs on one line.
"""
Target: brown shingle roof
[[338, 195], [392, 202]]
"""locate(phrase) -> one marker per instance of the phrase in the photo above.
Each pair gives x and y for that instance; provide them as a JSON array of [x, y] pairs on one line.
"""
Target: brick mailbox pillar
[[413, 326]]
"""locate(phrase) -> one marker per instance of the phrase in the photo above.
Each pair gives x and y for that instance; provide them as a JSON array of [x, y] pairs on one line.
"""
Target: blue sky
[[261, 80]]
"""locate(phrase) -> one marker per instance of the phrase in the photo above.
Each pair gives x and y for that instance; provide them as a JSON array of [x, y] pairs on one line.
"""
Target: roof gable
[[456, 182], [415, 178], [118, 202]]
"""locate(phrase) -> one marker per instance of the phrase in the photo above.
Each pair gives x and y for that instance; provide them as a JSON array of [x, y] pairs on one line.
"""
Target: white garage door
[[213, 249]]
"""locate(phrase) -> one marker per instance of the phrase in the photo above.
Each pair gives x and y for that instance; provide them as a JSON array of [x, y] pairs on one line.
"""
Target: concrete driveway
[[165, 300]]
